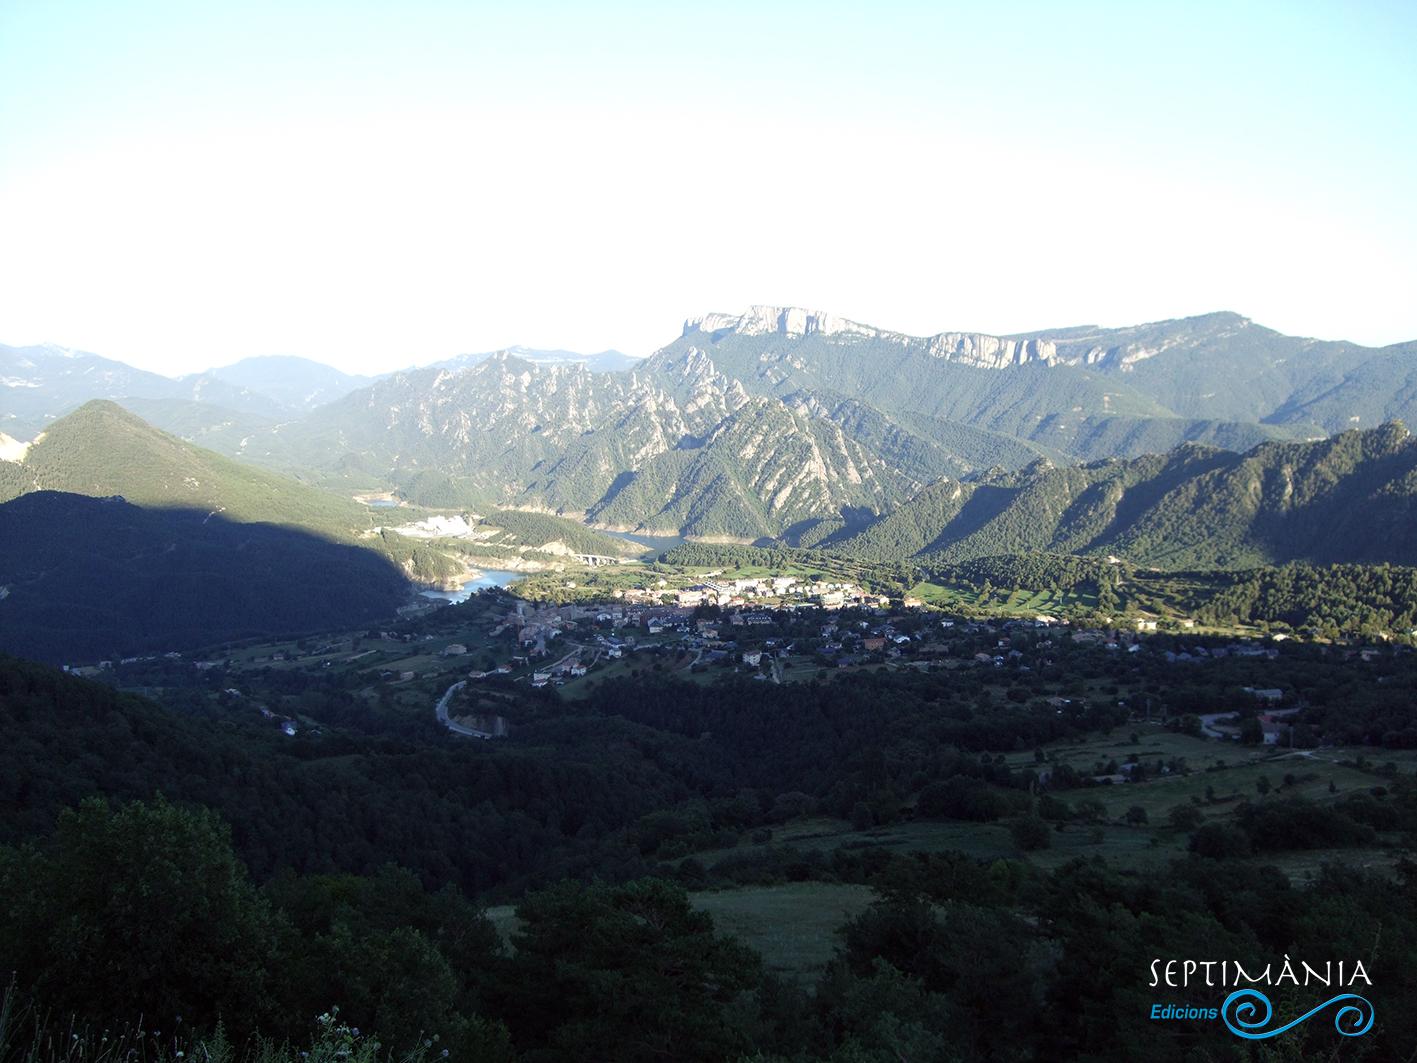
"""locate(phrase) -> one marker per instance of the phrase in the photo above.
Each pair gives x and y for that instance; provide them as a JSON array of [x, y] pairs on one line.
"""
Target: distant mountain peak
[[609, 361]]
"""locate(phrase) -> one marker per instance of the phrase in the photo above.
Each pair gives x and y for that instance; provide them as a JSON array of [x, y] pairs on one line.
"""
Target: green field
[[1005, 602], [793, 926]]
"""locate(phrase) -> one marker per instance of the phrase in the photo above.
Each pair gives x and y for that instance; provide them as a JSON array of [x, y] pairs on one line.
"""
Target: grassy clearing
[[1123, 846], [1229, 771], [792, 926], [504, 919]]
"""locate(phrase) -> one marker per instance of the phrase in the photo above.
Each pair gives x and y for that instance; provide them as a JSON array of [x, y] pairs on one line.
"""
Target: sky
[[374, 185]]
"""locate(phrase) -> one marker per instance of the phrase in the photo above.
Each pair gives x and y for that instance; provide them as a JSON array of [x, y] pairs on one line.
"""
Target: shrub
[[1220, 841], [1031, 833]]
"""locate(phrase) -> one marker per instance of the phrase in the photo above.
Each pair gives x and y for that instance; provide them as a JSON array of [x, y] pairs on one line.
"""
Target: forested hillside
[[1349, 498]]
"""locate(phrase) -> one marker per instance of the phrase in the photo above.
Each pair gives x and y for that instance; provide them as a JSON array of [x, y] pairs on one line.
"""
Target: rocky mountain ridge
[[968, 348]]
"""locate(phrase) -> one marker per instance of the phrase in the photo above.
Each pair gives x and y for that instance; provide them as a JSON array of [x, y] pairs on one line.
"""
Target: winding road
[[442, 711]]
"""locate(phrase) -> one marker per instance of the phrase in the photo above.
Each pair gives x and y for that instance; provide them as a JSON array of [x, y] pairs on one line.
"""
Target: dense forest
[[147, 910], [236, 873], [1339, 599]]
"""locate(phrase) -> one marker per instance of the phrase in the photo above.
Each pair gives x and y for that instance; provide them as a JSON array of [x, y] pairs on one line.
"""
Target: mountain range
[[786, 424], [45, 381]]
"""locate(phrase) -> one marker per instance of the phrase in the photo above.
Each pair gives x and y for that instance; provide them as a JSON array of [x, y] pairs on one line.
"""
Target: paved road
[[442, 711], [1208, 720]]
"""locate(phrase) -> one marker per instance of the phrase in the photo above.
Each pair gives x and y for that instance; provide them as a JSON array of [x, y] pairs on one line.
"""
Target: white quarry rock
[[13, 450], [436, 528]]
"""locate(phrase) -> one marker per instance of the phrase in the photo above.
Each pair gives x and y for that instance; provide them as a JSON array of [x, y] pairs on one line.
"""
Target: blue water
[[657, 543], [489, 578], [382, 503]]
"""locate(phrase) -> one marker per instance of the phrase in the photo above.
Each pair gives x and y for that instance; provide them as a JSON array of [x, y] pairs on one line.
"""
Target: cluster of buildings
[[1201, 653], [784, 592]]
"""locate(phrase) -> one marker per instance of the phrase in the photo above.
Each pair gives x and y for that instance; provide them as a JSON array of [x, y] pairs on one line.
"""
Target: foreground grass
[[27, 1036]]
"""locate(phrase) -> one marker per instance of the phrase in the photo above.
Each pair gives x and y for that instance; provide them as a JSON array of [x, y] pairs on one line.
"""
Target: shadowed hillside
[[90, 577]]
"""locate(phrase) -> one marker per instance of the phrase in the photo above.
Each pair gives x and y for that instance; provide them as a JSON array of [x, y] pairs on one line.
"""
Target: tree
[[1091, 809], [1185, 817], [1136, 816], [144, 912], [626, 973], [1220, 841]]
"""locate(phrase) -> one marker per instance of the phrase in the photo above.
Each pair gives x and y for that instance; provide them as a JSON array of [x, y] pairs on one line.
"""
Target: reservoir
[[656, 543], [489, 578]]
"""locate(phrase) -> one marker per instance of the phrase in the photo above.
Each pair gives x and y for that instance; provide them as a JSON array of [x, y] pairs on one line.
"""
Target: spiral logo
[[1353, 1017]]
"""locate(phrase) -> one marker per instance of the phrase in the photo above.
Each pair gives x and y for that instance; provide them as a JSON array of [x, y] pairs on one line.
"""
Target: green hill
[[102, 450]]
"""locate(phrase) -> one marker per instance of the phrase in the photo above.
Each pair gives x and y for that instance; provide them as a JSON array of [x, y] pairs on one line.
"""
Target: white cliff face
[[968, 348], [990, 352], [783, 320]]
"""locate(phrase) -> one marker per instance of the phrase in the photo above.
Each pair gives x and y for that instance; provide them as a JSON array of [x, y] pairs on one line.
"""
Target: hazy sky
[[186, 183]]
